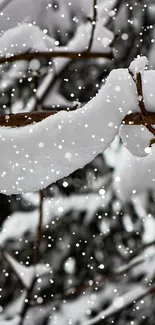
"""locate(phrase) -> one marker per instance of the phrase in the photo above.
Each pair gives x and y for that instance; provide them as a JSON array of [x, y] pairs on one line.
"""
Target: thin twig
[[93, 24]]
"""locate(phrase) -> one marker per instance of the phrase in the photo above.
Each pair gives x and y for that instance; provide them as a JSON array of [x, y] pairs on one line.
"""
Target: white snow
[[136, 138], [138, 65], [135, 174]]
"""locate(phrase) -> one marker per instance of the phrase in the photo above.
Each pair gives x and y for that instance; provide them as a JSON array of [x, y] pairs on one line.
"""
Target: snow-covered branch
[[54, 153]]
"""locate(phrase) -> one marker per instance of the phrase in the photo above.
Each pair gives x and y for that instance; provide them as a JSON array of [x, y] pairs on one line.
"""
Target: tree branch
[[60, 54], [23, 119], [137, 119]]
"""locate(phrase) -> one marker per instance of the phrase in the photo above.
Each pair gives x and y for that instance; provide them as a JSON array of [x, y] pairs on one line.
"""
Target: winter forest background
[[77, 248]]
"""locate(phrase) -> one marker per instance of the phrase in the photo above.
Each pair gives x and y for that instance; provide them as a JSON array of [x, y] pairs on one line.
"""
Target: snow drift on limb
[[37, 155]]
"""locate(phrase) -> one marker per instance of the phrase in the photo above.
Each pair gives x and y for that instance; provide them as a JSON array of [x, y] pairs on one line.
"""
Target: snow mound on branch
[[133, 175], [138, 65], [40, 154]]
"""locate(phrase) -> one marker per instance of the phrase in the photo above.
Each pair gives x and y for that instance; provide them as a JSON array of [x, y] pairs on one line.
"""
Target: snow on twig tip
[[138, 65]]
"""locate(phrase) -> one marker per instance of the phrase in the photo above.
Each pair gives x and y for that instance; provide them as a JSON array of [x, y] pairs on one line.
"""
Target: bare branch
[[109, 54]]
